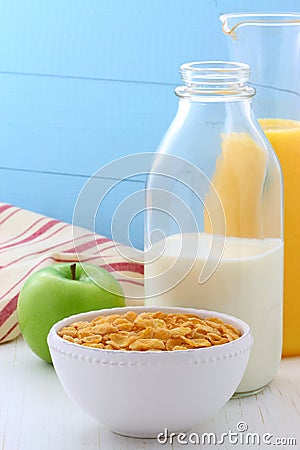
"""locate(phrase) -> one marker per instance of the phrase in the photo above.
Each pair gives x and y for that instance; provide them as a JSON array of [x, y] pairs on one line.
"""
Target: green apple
[[58, 291]]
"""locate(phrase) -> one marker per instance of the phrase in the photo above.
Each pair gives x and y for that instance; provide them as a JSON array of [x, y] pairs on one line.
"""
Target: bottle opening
[[215, 78]]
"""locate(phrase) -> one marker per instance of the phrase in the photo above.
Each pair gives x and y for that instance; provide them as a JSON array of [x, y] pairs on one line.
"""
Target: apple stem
[[73, 271]]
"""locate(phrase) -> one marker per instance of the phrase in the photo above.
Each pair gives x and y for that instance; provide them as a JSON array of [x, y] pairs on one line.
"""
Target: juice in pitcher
[[284, 136], [269, 43]]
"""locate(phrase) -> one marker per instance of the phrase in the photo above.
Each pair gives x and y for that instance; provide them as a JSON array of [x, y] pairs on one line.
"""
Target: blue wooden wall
[[84, 82]]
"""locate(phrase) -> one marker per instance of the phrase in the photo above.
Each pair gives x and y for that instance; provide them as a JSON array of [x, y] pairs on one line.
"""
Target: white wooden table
[[36, 414]]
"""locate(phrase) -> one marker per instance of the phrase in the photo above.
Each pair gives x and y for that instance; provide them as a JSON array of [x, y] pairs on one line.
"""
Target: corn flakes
[[157, 331]]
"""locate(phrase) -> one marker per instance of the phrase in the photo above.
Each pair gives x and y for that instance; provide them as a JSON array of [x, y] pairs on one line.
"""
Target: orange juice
[[239, 178], [284, 136]]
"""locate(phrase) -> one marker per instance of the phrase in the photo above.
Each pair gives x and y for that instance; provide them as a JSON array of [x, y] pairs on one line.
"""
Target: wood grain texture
[[140, 41], [56, 195], [36, 414], [83, 83], [74, 126]]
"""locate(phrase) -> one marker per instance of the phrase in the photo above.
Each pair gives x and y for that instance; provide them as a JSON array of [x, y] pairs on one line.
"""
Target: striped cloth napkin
[[30, 241]]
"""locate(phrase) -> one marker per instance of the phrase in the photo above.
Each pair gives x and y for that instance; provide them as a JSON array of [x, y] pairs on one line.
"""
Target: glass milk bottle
[[213, 232], [270, 44]]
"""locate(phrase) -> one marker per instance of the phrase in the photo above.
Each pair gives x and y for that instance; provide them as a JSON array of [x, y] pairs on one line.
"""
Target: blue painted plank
[[130, 40], [116, 207], [76, 126], [227, 6], [116, 39], [56, 196]]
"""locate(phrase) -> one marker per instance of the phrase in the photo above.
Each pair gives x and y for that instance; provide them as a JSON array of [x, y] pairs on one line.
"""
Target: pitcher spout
[[233, 21]]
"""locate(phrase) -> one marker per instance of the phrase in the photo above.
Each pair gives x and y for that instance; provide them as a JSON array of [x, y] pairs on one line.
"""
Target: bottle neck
[[202, 113], [215, 81]]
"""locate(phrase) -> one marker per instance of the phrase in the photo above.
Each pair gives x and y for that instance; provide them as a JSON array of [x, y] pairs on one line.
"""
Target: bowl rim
[[241, 325]]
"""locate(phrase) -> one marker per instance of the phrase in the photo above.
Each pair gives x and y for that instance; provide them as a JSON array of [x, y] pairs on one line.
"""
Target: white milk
[[247, 283]]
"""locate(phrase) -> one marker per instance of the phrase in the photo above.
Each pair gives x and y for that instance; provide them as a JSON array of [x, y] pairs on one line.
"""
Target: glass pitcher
[[213, 237], [270, 44]]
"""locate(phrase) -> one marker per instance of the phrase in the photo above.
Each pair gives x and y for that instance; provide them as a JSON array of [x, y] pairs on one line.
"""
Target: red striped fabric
[[33, 236], [4, 207], [23, 231], [30, 241], [8, 309]]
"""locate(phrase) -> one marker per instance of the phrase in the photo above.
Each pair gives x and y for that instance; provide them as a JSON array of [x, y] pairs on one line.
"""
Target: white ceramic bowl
[[139, 394]]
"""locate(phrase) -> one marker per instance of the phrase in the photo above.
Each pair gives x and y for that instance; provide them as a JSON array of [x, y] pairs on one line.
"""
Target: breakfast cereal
[[146, 331]]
